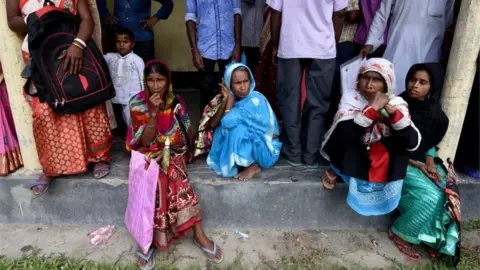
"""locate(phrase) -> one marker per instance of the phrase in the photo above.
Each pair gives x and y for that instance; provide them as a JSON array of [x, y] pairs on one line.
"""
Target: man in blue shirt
[[214, 30], [135, 15]]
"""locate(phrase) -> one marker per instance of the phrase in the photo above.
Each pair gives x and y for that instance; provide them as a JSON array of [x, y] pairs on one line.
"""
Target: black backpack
[[51, 31]]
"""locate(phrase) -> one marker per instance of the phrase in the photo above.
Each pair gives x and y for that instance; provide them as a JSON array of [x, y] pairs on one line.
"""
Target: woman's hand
[[228, 98], [73, 59], [225, 94], [156, 101], [224, 91], [379, 101], [390, 108], [157, 156], [432, 172], [429, 171]]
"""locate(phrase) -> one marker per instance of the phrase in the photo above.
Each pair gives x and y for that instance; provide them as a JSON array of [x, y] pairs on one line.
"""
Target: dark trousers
[[306, 133], [145, 49], [345, 52], [121, 129], [253, 56], [209, 81]]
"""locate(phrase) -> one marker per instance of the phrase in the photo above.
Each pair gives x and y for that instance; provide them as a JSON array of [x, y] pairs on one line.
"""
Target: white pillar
[[460, 74], [12, 63]]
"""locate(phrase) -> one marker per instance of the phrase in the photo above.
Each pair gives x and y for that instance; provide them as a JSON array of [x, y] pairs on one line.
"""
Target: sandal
[[329, 179], [42, 186], [211, 254], [100, 170], [405, 248], [146, 258]]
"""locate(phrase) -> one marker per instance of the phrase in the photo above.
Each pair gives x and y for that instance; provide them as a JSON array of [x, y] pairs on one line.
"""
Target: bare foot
[[329, 179], [249, 172]]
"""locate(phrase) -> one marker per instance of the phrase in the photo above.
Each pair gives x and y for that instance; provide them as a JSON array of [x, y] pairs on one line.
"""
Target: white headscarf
[[353, 103]]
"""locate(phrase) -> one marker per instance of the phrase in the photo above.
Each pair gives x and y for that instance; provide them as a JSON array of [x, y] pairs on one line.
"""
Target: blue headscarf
[[227, 76], [254, 136]]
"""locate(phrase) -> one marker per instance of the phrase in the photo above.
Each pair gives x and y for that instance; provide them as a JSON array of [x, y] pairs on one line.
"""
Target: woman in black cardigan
[[369, 142]]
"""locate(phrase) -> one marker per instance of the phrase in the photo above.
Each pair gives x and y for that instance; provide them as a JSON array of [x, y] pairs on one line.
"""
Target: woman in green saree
[[423, 218]]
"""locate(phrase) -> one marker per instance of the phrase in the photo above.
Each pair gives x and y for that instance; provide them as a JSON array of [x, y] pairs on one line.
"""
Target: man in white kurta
[[415, 36]]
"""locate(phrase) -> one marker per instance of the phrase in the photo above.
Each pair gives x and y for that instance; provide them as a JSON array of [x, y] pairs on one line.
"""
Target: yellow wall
[[171, 41]]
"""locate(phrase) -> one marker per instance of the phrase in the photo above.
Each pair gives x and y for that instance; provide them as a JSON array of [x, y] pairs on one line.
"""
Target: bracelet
[[78, 46], [81, 42], [149, 126], [227, 111]]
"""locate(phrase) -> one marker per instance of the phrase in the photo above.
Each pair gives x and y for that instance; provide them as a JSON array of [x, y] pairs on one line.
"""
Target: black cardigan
[[349, 155]]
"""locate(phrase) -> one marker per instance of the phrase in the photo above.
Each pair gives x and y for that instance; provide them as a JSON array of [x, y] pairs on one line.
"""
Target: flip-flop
[[146, 258], [43, 183], [101, 167], [212, 253]]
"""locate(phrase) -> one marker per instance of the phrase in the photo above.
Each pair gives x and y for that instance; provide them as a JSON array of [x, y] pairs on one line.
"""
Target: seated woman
[[368, 149], [159, 118], [246, 132], [423, 216]]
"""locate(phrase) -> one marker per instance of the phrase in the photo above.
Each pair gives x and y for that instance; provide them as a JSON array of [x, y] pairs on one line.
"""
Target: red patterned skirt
[[67, 143], [178, 208]]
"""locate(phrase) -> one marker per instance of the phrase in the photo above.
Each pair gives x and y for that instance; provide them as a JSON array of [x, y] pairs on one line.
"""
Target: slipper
[[42, 183], [101, 167], [406, 249], [210, 253], [146, 258]]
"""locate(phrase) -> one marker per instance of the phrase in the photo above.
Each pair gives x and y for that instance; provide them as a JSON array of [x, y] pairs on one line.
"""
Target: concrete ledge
[[282, 197]]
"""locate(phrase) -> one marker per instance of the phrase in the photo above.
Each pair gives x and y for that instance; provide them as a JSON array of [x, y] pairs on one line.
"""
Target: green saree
[[423, 216]]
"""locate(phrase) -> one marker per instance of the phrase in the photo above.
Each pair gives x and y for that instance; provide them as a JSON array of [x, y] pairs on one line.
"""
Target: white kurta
[[127, 75], [415, 35]]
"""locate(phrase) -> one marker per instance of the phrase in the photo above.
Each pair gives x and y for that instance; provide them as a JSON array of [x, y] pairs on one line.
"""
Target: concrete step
[[282, 197]]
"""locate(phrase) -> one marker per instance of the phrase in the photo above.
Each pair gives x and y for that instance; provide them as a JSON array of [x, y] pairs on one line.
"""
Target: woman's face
[[419, 85], [370, 83], [240, 83], [156, 83]]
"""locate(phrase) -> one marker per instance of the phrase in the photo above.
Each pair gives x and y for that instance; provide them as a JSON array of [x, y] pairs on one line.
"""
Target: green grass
[[471, 225], [316, 261], [61, 263]]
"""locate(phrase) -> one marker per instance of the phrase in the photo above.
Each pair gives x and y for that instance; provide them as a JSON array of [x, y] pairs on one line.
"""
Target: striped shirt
[[252, 22]]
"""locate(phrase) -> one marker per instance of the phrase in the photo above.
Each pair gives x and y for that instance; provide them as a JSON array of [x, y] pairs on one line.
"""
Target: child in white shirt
[[126, 70]]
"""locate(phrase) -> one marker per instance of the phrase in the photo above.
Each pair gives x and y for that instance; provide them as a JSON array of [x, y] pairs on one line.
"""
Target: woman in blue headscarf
[[246, 128]]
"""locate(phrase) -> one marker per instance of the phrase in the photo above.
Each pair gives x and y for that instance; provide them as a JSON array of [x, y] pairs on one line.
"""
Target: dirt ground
[[352, 249]]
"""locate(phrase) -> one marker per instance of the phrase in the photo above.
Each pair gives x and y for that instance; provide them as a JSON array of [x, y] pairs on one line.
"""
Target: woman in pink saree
[[10, 156]]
